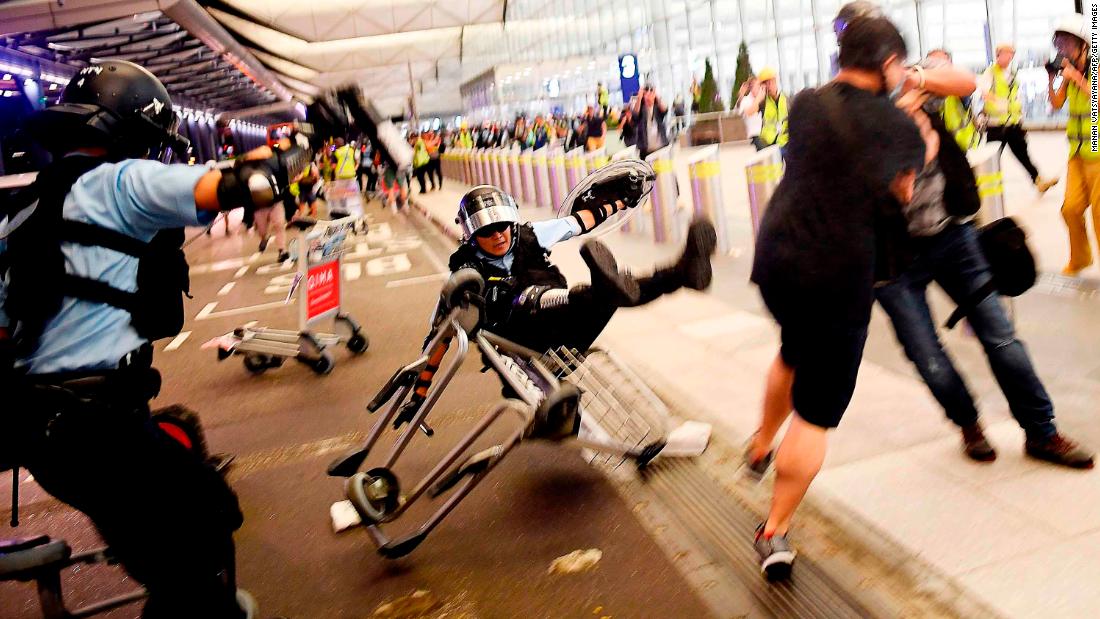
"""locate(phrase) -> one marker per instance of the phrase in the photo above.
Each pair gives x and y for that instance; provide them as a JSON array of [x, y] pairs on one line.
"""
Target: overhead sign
[[628, 76]]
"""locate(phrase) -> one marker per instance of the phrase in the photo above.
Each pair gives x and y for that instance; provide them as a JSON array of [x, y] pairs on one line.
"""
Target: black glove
[[259, 183], [629, 188]]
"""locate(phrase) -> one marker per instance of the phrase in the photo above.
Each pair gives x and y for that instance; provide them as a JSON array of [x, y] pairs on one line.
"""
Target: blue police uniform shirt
[[135, 197], [549, 233]]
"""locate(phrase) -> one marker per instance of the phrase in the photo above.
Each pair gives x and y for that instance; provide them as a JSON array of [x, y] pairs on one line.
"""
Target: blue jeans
[[953, 259]]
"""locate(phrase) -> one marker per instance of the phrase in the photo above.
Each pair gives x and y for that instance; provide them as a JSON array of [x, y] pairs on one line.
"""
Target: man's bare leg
[[777, 407], [797, 463]]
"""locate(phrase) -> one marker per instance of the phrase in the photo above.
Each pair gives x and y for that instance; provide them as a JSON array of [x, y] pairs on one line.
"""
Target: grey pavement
[[1020, 536]]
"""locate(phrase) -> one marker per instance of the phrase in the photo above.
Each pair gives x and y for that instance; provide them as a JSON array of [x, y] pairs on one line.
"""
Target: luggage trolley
[[319, 246], [589, 401]]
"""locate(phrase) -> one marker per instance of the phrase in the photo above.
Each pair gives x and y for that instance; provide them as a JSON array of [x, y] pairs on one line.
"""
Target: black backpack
[[1010, 261], [38, 282]]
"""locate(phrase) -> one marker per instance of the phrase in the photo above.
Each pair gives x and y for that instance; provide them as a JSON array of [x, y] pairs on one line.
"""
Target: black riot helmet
[[116, 105], [485, 205]]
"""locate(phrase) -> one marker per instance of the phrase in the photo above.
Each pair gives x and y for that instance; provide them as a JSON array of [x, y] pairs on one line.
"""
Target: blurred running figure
[[1005, 113], [832, 230], [1083, 169]]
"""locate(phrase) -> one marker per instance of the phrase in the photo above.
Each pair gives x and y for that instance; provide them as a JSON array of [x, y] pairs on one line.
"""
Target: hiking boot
[[756, 469], [775, 554], [607, 281], [1043, 184], [976, 446], [1059, 450], [694, 264]]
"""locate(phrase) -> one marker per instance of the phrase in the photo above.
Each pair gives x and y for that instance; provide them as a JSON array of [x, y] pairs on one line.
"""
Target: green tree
[[744, 70], [709, 99]]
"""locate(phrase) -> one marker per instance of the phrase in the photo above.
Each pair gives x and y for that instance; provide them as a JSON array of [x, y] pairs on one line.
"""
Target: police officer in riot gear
[[528, 299], [91, 272]]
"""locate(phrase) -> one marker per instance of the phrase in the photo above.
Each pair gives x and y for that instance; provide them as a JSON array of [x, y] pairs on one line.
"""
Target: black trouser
[[435, 173], [579, 322], [419, 173], [372, 180], [1016, 138], [166, 515]]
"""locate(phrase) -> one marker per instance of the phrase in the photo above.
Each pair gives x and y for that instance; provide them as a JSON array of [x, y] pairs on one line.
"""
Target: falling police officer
[[91, 272]]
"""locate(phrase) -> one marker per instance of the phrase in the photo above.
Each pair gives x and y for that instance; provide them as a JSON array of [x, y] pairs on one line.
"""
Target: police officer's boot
[[617, 287], [694, 267], [692, 270]]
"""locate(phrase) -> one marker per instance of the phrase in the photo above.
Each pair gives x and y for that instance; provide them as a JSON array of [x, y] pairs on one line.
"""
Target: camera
[[1054, 67]]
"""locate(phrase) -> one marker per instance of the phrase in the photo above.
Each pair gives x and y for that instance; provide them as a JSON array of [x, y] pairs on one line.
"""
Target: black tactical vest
[[35, 265], [531, 266]]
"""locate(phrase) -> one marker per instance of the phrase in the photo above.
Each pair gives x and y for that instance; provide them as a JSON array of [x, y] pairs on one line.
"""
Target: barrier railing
[[763, 172], [575, 168], [556, 175], [663, 197], [541, 172], [515, 175], [705, 171], [527, 176], [986, 164]]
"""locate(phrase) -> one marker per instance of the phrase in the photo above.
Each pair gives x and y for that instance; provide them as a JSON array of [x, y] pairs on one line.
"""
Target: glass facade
[[674, 38]]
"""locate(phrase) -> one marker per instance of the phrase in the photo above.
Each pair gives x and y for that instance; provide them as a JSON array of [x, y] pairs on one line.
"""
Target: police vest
[[530, 267], [959, 121], [345, 163], [1003, 108], [1079, 126], [774, 129], [38, 281]]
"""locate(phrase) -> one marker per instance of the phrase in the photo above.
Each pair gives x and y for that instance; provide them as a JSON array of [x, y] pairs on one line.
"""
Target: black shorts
[[825, 357]]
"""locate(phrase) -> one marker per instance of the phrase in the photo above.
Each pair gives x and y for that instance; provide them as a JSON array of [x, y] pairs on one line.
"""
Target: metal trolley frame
[[320, 245], [561, 395]]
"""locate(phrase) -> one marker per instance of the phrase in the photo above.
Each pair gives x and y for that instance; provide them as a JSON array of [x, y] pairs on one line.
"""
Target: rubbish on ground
[[576, 561], [344, 516], [687, 441]]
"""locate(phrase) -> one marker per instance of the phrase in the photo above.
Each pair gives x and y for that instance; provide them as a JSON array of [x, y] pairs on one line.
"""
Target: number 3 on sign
[[388, 265]]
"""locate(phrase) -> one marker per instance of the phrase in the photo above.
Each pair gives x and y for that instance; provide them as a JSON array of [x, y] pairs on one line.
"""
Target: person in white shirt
[[748, 105]]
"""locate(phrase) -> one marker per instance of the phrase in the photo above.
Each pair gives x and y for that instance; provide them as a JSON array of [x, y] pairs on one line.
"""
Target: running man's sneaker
[[756, 469], [776, 555], [263, 245], [976, 446], [1060, 450]]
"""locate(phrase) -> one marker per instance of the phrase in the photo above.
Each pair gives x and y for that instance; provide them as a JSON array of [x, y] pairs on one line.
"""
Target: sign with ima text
[[322, 290]]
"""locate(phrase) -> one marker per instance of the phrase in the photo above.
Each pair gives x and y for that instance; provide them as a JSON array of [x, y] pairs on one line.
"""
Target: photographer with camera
[[1083, 168]]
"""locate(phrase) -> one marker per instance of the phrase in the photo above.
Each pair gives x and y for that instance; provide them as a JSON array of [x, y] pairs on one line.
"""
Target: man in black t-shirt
[[597, 129]]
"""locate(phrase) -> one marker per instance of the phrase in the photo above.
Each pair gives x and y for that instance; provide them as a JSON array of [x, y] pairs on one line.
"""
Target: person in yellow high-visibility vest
[[1083, 168], [957, 116], [1004, 112], [774, 129], [344, 197]]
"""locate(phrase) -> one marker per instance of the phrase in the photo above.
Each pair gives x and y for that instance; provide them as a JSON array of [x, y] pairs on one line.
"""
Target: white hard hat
[[1073, 24]]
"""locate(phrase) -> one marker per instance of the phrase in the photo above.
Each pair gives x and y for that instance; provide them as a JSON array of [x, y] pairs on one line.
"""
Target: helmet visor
[[488, 209]]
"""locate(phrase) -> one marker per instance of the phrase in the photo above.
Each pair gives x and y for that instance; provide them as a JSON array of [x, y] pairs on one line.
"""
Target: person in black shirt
[[833, 228]]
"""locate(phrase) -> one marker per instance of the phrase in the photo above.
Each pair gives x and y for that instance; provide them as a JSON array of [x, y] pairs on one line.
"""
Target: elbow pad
[[258, 183]]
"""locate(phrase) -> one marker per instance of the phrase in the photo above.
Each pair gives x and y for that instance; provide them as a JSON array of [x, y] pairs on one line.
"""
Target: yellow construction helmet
[[767, 73]]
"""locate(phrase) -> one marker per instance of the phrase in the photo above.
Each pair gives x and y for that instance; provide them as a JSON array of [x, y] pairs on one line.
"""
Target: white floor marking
[[388, 265], [207, 313], [250, 324], [254, 257], [352, 271], [214, 267], [240, 272], [412, 281], [177, 341], [226, 288]]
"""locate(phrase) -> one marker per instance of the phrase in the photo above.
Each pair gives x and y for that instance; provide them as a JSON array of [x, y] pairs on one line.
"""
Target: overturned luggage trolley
[[589, 401]]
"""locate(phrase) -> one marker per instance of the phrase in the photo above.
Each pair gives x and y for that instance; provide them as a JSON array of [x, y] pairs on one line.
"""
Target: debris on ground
[[576, 561], [416, 604]]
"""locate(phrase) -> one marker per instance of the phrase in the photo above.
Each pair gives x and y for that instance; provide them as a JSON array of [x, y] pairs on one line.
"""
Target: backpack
[[1010, 261], [38, 282]]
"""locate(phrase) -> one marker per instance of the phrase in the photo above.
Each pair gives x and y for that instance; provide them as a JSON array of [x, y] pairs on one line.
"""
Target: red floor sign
[[323, 289]]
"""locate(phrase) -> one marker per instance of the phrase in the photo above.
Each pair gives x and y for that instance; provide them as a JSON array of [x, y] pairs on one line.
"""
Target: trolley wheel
[[224, 354], [323, 364], [374, 494], [358, 343], [258, 363]]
